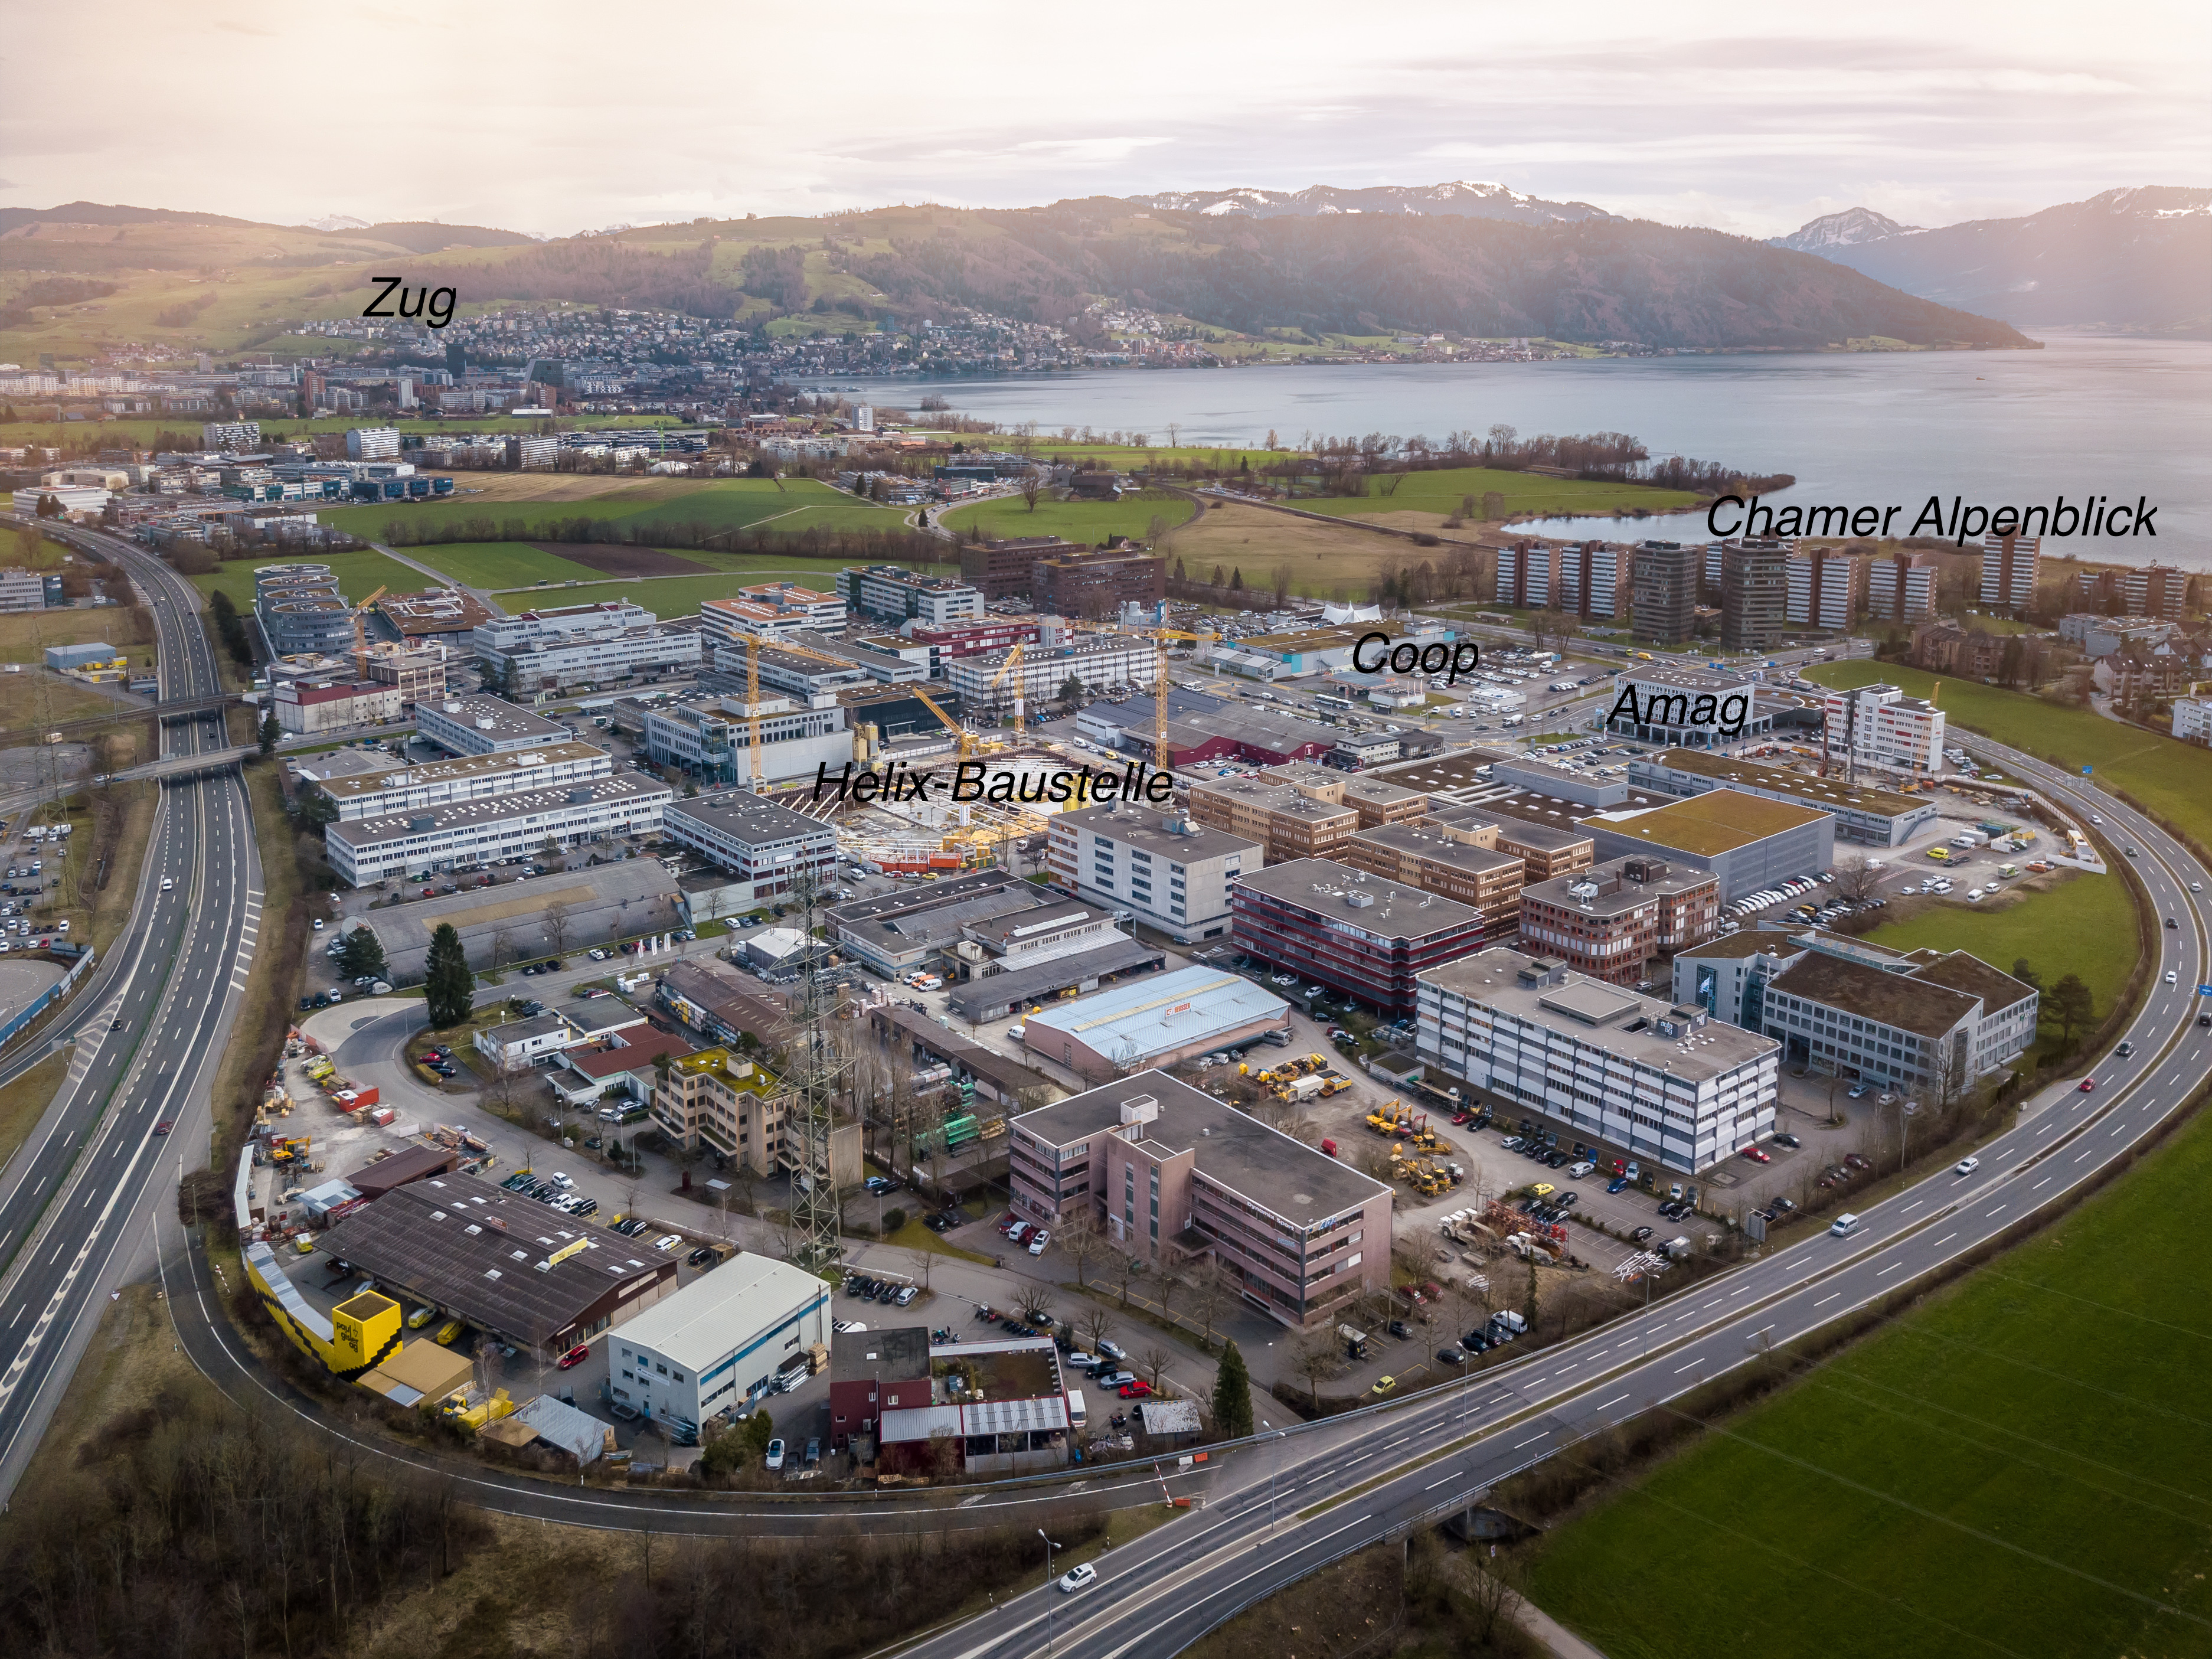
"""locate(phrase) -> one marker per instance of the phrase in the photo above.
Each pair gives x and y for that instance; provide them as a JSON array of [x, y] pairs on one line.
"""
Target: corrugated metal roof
[[1014, 1416], [919, 1422], [563, 1425]]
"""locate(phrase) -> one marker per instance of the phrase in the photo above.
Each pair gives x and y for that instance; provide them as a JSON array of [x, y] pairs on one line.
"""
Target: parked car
[[774, 1459], [1383, 1385], [575, 1356], [669, 1242], [1790, 1141], [1135, 1388]]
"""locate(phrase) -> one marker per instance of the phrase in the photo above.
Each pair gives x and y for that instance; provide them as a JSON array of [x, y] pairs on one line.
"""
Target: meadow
[[1088, 522], [1445, 491], [785, 505], [2016, 1466]]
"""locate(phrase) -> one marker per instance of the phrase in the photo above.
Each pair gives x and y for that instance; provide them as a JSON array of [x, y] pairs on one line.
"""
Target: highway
[[148, 1035], [1258, 1521]]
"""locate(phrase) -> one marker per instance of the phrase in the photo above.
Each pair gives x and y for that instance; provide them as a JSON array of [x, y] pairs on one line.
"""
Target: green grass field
[[1443, 491], [664, 596], [2022, 1465], [501, 564], [722, 503], [359, 576], [2173, 778], [1091, 522], [2085, 925]]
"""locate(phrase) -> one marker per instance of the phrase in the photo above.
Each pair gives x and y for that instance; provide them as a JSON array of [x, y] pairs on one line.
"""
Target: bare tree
[[1032, 487], [1152, 1361], [1035, 1305], [502, 946], [556, 916], [1855, 878], [1168, 1284], [1096, 1325], [921, 1263], [1127, 1273], [1209, 1289], [1314, 1356], [1079, 1241]]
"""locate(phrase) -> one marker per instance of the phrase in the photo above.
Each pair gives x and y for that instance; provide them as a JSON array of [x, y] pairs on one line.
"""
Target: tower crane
[[1013, 661], [758, 771], [360, 636]]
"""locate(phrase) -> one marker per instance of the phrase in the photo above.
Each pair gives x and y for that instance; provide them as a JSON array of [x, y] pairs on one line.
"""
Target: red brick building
[[1610, 919]]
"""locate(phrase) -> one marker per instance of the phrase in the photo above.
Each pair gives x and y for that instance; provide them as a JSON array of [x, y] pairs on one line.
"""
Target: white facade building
[[469, 834], [1096, 661], [1901, 589], [896, 595], [717, 1342], [1827, 588], [1879, 726], [768, 848], [1177, 880], [372, 443], [2192, 714], [2010, 565], [485, 726], [1664, 1082], [540, 650], [470, 777], [231, 437], [771, 612]]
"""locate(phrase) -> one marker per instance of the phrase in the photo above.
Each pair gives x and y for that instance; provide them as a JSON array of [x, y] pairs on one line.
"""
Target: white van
[[1075, 1409], [1844, 1225]]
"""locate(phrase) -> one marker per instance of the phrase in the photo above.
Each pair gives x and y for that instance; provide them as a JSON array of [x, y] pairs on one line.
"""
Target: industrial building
[[361, 1341], [718, 1344], [711, 736], [486, 725], [1870, 816], [723, 1003], [507, 922], [896, 595], [1748, 843], [469, 835], [304, 706], [1010, 990], [921, 1042], [1663, 1082], [897, 933], [767, 850], [1463, 863], [1358, 935], [409, 788], [1160, 1020], [1173, 1175], [998, 1408], [1170, 872], [1879, 726], [1609, 921], [516, 1270]]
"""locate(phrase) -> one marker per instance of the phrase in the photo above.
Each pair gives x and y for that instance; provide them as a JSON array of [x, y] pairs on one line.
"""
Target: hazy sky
[[561, 115]]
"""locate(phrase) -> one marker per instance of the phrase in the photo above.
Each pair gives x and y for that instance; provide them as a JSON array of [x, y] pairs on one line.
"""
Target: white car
[[560, 1180], [669, 1242], [1966, 1165], [846, 1327], [1076, 1578], [598, 955], [2170, 978]]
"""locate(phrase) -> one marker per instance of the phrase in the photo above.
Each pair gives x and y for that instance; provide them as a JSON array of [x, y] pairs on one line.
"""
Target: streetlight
[[1274, 1468], [1049, 1547], [1905, 1109]]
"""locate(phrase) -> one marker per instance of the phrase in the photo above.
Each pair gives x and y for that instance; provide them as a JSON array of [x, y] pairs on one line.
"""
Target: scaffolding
[[806, 1094]]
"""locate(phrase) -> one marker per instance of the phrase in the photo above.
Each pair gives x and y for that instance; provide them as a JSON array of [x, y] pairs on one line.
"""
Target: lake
[[2086, 416]]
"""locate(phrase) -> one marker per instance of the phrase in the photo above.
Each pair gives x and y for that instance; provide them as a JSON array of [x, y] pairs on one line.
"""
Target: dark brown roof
[[1971, 974], [1902, 1000]]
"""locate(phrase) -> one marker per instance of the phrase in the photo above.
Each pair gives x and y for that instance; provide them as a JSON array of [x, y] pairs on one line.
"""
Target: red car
[[575, 1356], [165, 1126], [1757, 1156], [2088, 1084], [1137, 1389]]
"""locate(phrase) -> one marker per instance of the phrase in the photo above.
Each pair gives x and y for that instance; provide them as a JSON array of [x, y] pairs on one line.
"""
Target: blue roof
[[1164, 1012]]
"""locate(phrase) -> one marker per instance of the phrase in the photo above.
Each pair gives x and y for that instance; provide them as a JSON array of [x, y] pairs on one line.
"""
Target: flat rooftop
[[1291, 1180], [1604, 890], [1455, 768], [1353, 898], [1282, 800], [745, 817], [1717, 822], [1686, 678], [1903, 1000], [1620, 1022], [1149, 832], [464, 768], [507, 721], [1831, 793], [1430, 842], [1159, 1012], [721, 1311], [487, 810]]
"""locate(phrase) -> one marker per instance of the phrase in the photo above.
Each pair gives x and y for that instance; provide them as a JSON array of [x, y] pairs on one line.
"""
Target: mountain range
[[2137, 259], [1463, 198]]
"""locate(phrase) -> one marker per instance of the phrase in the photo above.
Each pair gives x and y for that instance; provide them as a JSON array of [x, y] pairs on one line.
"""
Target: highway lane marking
[[1611, 1403], [1946, 1239], [1911, 1207], [2045, 1182], [1826, 1300], [1530, 1441], [2000, 1210], [1699, 1360], [1891, 1269], [1446, 1481]]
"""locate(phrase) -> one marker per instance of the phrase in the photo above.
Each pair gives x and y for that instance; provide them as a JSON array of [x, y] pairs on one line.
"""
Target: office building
[[472, 834], [1097, 661], [1867, 815], [1173, 1177], [1827, 588], [711, 736], [807, 678], [1664, 1083], [2010, 567], [1161, 1019], [1666, 590], [1609, 921], [27, 590], [1879, 726], [1095, 583], [1358, 935], [581, 645], [717, 1344], [231, 437], [436, 616], [1748, 843], [995, 634], [723, 1100], [769, 850], [519, 1272], [1755, 594], [771, 611], [1688, 707], [897, 933], [1172, 874], [486, 725], [417, 672], [1285, 821], [896, 595], [372, 443], [305, 706], [1901, 587], [1463, 863], [1005, 570], [300, 611]]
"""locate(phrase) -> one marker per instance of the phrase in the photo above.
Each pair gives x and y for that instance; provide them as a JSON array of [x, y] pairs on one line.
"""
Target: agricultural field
[[501, 564], [2171, 778], [1325, 561], [25, 636], [1438, 493], [359, 576], [2014, 1467], [1090, 522], [2077, 923], [790, 505]]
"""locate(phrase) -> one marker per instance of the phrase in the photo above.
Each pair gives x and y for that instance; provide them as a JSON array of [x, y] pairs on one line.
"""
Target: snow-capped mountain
[[1844, 229], [1465, 198], [330, 221]]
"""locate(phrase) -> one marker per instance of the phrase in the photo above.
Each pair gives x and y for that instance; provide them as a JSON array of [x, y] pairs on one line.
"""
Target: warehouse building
[[469, 835], [1160, 1020], [897, 933], [1359, 935], [996, 1407], [766, 849], [1749, 843], [516, 1270], [405, 788], [999, 994], [1609, 921], [1173, 1177], [486, 725], [1872, 817], [1660, 1081], [718, 1344]]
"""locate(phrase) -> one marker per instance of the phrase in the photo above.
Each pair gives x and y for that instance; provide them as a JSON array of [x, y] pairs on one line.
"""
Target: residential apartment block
[[1666, 603], [1755, 594], [1901, 587], [2010, 567], [1879, 726], [469, 835], [1589, 579], [1172, 874], [1173, 1177], [372, 443], [1361, 936], [2192, 714], [1610, 920], [1827, 588], [723, 1100], [896, 594], [1663, 1081]]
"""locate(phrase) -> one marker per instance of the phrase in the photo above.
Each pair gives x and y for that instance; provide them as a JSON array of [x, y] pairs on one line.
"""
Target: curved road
[[75, 1200], [1255, 1527]]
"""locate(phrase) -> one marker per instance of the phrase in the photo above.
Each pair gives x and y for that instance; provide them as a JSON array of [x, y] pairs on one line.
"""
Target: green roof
[[1718, 822]]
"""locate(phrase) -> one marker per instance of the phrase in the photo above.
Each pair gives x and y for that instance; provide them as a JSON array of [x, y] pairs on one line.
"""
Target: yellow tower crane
[[1013, 661], [758, 771], [967, 738], [361, 634]]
